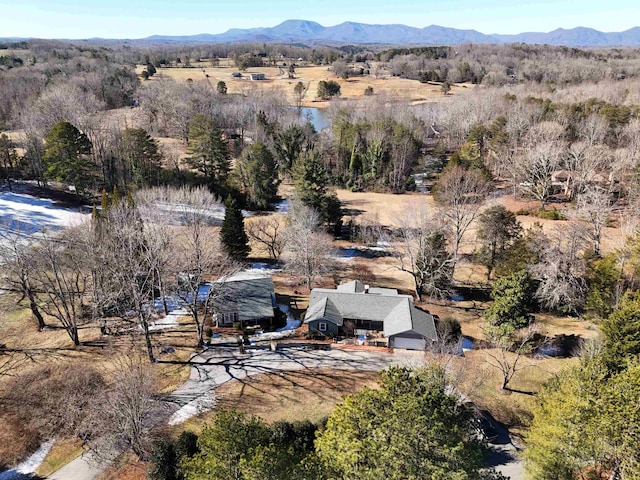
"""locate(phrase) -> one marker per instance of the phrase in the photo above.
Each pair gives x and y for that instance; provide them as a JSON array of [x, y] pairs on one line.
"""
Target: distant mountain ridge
[[353, 32]]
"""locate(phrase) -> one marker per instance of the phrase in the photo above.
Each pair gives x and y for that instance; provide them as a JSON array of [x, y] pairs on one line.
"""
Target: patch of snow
[[178, 211], [282, 206], [170, 320], [277, 335], [26, 214], [30, 465], [292, 323], [201, 404], [248, 274]]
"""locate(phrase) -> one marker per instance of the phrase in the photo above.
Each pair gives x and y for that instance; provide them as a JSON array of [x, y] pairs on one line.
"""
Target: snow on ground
[[282, 206], [29, 465], [178, 211], [200, 405], [28, 215], [292, 323], [170, 320], [267, 336]]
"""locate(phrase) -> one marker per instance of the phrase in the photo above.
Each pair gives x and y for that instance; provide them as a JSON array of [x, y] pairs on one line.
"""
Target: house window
[[230, 317], [322, 326]]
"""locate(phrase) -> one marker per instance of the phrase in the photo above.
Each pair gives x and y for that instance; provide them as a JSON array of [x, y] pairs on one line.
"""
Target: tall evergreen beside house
[[234, 239]]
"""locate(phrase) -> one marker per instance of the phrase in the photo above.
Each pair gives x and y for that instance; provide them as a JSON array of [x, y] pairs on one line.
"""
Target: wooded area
[[518, 187]]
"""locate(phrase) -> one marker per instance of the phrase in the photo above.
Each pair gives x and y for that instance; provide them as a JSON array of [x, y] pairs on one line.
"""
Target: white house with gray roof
[[371, 308]]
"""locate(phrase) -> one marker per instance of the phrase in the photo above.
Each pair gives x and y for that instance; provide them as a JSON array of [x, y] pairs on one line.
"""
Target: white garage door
[[409, 343]]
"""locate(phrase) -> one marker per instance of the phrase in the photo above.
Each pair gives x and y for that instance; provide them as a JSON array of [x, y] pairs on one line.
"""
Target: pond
[[318, 118]]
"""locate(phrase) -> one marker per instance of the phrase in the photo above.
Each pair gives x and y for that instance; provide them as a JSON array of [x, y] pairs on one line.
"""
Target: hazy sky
[[140, 18]]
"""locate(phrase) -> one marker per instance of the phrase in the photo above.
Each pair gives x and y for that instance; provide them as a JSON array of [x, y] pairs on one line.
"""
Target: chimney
[[366, 289]]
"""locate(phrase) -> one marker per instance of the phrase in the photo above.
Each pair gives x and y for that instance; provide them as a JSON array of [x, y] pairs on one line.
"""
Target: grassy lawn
[[477, 379], [61, 453], [291, 396]]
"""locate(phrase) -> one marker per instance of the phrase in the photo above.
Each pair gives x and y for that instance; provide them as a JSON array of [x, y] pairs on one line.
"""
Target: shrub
[[449, 329], [550, 214], [328, 89], [163, 461]]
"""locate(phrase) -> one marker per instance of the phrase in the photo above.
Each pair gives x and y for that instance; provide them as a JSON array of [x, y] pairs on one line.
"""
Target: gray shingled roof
[[352, 287], [382, 305], [324, 310], [252, 298], [357, 286]]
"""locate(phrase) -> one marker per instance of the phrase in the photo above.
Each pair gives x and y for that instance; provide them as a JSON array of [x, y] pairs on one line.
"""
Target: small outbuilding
[[257, 76]]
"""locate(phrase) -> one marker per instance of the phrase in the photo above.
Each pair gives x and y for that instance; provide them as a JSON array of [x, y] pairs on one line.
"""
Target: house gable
[[394, 313]]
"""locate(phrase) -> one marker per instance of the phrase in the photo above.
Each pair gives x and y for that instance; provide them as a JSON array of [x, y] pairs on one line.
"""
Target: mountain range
[[305, 31]]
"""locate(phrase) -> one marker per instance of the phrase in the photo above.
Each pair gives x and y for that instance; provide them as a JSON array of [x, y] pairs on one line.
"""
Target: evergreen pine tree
[[234, 238]]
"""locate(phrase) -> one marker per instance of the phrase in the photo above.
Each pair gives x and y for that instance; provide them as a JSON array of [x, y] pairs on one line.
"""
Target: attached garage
[[407, 343]]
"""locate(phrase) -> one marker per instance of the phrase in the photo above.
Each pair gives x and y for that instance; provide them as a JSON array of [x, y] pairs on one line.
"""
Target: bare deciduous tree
[[422, 252], [585, 162], [308, 250], [123, 415], [538, 165], [128, 268], [18, 270], [194, 248], [595, 206], [510, 352], [560, 271], [267, 231], [461, 192], [593, 129], [61, 279]]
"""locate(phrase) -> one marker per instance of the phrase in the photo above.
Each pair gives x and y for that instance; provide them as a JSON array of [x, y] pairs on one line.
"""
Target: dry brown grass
[[290, 396], [128, 467], [482, 383], [392, 87], [62, 452], [52, 347]]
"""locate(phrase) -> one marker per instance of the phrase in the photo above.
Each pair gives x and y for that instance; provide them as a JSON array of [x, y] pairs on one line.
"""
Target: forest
[[504, 200]]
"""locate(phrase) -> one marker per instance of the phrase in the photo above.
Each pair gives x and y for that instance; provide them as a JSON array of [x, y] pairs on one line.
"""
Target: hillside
[[359, 33]]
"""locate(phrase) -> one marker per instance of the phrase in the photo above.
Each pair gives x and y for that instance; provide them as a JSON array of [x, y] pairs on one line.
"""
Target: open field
[[278, 78], [22, 53]]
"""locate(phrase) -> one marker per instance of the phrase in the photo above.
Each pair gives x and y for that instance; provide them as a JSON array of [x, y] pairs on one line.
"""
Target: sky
[[75, 19]]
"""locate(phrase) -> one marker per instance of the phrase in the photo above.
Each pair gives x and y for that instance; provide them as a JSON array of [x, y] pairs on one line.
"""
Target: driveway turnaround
[[219, 365]]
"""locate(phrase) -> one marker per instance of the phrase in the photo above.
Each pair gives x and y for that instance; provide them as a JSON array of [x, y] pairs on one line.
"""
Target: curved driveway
[[221, 364]]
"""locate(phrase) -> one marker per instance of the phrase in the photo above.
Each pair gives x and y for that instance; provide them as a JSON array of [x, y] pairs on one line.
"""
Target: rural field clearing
[[277, 78]]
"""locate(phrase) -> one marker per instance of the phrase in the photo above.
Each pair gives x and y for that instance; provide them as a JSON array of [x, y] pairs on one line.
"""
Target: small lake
[[316, 117]]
